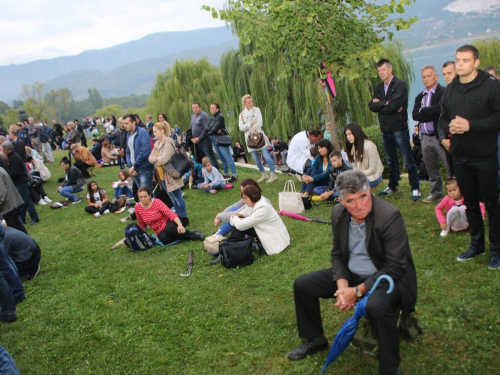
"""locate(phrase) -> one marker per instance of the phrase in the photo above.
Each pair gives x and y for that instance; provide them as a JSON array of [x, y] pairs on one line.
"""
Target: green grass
[[96, 312]]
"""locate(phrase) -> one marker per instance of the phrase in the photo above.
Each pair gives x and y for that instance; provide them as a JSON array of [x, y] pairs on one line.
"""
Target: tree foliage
[[184, 83], [3, 107], [95, 99], [489, 51]]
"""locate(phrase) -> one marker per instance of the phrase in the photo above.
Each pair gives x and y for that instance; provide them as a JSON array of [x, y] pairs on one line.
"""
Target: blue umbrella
[[346, 333]]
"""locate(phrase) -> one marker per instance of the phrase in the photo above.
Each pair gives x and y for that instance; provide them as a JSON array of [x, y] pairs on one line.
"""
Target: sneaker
[[42, 202], [299, 177], [494, 262], [126, 218], [121, 210], [213, 191], [97, 214], [31, 276], [430, 199], [471, 253], [444, 232], [387, 191], [77, 201], [106, 212], [307, 348], [233, 179], [47, 199], [415, 195]]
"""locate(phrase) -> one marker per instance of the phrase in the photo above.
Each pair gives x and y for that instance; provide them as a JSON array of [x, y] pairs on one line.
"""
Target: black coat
[[389, 118], [432, 113], [17, 168], [215, 124], [74, 178], [479, 103], [19, 148]]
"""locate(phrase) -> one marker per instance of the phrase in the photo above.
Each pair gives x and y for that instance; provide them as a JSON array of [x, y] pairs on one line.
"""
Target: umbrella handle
[[384, 277]]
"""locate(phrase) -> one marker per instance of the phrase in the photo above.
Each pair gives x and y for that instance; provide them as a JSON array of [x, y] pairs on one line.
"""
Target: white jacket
[[299, 151], [268, 225], [245, 118]]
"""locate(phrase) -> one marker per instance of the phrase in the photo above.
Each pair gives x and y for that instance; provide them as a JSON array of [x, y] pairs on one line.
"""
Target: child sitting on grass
[[454, 209], [214, 181], [124, 185], [338, 166]]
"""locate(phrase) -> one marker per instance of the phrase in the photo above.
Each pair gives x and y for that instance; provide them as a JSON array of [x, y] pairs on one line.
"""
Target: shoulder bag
[[290, 200], [256, 140], [224, 139], [178, 164]]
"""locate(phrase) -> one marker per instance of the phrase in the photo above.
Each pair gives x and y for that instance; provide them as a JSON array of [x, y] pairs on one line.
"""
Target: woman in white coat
[[251, 120], [260, 219]]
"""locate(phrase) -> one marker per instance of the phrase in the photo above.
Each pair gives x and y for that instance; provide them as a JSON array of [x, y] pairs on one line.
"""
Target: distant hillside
[[12, 77], [140, 76]]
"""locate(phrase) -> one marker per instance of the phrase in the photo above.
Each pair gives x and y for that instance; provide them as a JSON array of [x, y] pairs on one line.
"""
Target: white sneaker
[[106, 212], [47, 199], [42, 202], [444, 233], [97, 214]]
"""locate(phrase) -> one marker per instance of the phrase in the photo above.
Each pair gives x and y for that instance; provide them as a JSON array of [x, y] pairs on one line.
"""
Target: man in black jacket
[[360, 220], [426, 111], [471, 114], [390, 101], [20, 178]]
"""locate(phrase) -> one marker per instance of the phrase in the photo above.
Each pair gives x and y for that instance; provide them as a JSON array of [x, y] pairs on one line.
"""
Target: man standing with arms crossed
[[471, 114], [390, 101], [201, 140]]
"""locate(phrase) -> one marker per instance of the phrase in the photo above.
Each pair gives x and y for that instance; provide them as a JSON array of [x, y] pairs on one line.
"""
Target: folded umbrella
[[346, 333]]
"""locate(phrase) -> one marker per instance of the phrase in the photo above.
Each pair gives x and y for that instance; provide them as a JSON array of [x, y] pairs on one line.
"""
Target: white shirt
[[299, 151]]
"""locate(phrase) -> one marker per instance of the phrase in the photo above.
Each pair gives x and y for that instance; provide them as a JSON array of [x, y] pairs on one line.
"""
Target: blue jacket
[[322, 175], [142, 150]]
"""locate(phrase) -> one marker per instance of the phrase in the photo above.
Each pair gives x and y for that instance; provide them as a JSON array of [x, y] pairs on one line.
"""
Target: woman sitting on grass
[[107, 157], [363, 154], [318, 174], [164, 222], [97, 200], [124, 185]]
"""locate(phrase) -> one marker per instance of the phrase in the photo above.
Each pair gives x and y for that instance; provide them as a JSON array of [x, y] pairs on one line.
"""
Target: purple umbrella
[[346, 333]]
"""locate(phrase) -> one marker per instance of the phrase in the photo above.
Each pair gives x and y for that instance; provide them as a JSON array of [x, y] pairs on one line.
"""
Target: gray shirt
[[359, 260], [198, 123], [130, 146]]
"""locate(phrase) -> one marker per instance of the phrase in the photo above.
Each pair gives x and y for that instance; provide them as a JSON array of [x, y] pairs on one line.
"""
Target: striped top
[[156, 216]]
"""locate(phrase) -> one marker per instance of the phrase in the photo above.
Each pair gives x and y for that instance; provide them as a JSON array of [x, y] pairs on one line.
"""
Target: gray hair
[[430, 67], [8, 145], [351, 182]]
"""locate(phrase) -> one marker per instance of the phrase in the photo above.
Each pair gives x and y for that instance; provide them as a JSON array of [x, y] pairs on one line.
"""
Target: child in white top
[[124, 185]]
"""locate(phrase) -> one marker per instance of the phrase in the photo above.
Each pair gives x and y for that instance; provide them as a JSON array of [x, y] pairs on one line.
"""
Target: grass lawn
[[90, 311]]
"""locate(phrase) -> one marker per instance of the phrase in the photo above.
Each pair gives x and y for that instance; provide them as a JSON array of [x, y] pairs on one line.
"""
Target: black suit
[[388, 248]]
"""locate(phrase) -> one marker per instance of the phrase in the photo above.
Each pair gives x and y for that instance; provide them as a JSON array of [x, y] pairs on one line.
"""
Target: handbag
[[256, 140], [290, 200], [224, 139], [238, 252], [178, 164]]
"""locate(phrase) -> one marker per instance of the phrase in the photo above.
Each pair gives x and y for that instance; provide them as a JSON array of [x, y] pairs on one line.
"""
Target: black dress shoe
[[184, 221], [215, 261], [307, 348]]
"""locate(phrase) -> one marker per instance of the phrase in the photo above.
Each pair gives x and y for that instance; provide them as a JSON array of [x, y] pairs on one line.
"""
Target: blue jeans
[[123, 190], [321, 189], [7, 364], [28, 205], [227, 228], [216, 186], [308, 188], [224, 155], [177, 200], [394, 141], [9, 272], [145, 178], [375, 182], [68, 191], [267, 159]]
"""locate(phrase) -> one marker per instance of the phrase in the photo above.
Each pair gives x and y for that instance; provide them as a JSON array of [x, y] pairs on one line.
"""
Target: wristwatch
[[358, 292]]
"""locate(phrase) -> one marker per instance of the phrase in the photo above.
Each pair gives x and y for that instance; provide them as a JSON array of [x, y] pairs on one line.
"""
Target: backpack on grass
[[136, 239]]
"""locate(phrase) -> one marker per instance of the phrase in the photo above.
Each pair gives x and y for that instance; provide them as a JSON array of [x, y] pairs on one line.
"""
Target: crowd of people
[[458, 125]]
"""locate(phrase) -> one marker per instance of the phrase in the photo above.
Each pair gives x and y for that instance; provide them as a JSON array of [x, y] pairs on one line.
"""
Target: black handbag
[[178, 165], [237, 252], [224, 139]]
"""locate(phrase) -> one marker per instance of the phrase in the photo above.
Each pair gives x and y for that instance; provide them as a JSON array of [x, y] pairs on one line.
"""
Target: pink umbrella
[[293, 216]]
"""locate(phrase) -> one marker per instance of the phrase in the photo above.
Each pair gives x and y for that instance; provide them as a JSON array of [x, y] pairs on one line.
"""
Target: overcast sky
[[42, 29]]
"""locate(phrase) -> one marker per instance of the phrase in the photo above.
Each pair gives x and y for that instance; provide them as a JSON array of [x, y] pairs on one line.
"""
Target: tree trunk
[[333, 125]]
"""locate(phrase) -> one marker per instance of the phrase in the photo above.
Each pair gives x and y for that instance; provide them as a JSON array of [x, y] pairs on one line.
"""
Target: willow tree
[[345, 35], [489, 51], [186, 82]]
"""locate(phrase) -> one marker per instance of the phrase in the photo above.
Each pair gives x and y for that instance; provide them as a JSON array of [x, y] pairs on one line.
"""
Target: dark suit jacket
[[432, 113], [387, 245], [389, 118]]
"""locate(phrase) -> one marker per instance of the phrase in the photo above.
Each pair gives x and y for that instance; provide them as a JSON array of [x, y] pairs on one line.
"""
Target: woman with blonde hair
[[163, 150], [250, 120]]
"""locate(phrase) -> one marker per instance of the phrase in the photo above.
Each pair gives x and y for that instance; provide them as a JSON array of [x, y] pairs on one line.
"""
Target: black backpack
[[136, 239], [238, 252]]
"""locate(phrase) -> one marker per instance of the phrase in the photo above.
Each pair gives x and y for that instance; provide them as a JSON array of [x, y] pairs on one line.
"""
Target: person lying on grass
[[214, 181], [164, 222], [455, 217]]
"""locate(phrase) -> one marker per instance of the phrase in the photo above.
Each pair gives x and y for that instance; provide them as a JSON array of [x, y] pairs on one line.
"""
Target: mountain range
[[132, 67]]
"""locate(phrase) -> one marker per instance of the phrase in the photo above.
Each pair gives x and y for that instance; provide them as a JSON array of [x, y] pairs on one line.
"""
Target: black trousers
[[30, 266], [13, 220], [310, 287], [92, 210], [83, 168], [170, 234], [204, 148], [478, 182]]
